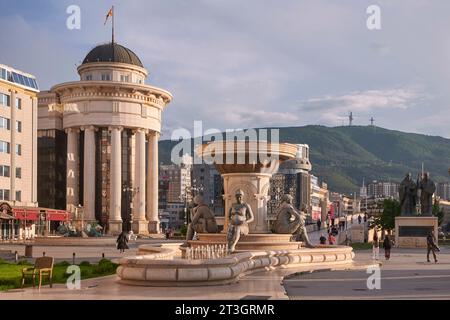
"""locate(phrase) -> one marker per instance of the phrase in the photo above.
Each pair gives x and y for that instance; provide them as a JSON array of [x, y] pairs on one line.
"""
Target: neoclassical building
[[111, 121]]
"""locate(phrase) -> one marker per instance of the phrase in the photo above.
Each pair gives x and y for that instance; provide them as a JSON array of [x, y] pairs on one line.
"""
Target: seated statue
[[289, 221], [240, 216], [203, 220]]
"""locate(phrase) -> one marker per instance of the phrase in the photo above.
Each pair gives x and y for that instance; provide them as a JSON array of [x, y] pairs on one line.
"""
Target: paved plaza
[[405, 276]]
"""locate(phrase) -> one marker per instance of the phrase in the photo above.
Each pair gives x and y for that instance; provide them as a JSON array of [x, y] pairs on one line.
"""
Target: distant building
[[380, 189], [319, 199], [443, 190], [175, 182], [208, 181], [293, 177]]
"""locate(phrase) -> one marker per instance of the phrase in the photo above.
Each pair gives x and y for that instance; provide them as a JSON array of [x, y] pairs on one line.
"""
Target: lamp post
[[130, 193]]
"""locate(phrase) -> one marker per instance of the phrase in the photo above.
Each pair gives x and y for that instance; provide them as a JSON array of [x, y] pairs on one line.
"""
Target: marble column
[[72, 199], [89, 174], [140, 223], [152, 183], [115, 214]]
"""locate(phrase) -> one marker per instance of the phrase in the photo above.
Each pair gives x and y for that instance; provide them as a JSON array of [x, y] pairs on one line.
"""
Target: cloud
[[329, 108]]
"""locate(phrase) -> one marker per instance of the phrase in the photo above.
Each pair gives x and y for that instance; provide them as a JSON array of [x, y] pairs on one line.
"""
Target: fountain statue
[[240, 216], [289, 221], [203, 220]]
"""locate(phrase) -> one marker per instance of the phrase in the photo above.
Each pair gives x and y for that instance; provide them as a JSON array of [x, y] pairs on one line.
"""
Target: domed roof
[[112, 52]]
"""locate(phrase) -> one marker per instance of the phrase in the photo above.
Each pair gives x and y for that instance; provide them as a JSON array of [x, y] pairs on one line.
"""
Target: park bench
[[43, 266]]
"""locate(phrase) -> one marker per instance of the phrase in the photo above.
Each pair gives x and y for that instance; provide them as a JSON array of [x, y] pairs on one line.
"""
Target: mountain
[[343, 156]]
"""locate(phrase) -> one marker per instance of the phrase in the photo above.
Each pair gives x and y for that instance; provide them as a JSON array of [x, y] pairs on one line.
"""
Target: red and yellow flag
[[109, 14]]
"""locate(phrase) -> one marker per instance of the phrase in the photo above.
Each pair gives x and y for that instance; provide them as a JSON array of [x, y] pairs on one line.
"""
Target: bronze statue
[[240, 216], [289, 221], [408, 196], [427, 187], [203, 220]]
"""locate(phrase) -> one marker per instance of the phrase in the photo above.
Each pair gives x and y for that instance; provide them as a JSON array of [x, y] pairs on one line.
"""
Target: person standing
[[387, 245], [122, 241], [431, 247], [319, 224], [359, 219], [375, 246]]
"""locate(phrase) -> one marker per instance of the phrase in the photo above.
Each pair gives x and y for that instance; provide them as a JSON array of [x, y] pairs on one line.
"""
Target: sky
[[255, 63]]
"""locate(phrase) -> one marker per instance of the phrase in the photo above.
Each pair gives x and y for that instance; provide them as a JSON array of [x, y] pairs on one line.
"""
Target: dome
[[112, 52]]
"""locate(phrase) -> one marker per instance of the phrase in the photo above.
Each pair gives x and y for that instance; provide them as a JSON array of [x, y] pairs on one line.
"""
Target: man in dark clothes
[[431, 247]]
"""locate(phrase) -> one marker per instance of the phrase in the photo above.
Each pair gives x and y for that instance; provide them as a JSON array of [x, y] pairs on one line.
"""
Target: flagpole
[[112, 24]]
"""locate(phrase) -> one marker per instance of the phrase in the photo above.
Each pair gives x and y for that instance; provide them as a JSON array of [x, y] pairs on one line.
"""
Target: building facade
[[294, 178], [443, 190], [112, 122], [18, 152], [18, 137], [380, 189]]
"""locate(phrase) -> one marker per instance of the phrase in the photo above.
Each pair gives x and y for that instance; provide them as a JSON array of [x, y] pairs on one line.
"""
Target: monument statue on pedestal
[[240, 216], [427, 187], [203, 220], [408, 196], [289, 221]]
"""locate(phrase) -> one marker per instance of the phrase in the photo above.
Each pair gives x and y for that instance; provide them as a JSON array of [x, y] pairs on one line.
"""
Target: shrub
[[62, 264], [23, 262], [85, 264]]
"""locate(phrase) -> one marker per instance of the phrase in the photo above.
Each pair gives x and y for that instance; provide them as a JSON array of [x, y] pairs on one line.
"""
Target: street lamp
[[130, 193]]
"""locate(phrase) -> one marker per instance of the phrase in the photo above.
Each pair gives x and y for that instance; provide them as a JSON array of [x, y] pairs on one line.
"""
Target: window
[[4, 171], [4, 99], [18, 195], [4, 194], [3, 74], [19, 149], [18, 103], [18, 173], [124, 78], [88, 77], [106, 77], [4, 147], [4, 123], [19, 126]]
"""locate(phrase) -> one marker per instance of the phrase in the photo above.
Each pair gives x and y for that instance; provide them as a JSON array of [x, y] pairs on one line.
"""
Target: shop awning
[[58, 215], [31, 214]]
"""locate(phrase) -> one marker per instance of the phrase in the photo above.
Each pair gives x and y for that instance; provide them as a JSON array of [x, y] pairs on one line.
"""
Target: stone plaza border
[[158, 267]]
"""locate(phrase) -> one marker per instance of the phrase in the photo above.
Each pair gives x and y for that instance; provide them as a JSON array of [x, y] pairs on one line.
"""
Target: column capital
[[137, 130], [91, 128], [72, 130], [111, 128], [152, 133]]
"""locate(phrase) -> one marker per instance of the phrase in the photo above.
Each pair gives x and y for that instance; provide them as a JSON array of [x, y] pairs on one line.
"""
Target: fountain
[[246, 166]]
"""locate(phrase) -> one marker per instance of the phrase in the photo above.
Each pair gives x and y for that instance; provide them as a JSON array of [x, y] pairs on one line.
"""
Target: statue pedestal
[[411, 232]]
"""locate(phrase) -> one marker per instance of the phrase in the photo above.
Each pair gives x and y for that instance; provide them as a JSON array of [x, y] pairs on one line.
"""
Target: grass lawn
[[361, 246], [11, 273]]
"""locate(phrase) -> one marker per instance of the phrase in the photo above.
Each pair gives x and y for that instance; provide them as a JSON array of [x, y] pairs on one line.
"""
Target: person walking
[[122, 241], [431, 247], [375, 246], [359, 219], [322, 239], [387, 245], [319, 224]]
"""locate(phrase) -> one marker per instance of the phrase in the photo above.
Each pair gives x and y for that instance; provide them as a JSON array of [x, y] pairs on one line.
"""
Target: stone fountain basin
[[250, 242], [159, 267]]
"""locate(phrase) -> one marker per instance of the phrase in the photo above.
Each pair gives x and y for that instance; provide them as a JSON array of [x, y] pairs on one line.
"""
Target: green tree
[[386, 220], [438, 212]]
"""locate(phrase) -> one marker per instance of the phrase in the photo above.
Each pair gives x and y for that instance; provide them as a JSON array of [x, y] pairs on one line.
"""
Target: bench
[[43, 266]]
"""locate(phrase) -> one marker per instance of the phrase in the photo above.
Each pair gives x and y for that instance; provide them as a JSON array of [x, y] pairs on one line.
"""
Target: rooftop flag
[[109, 14]]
